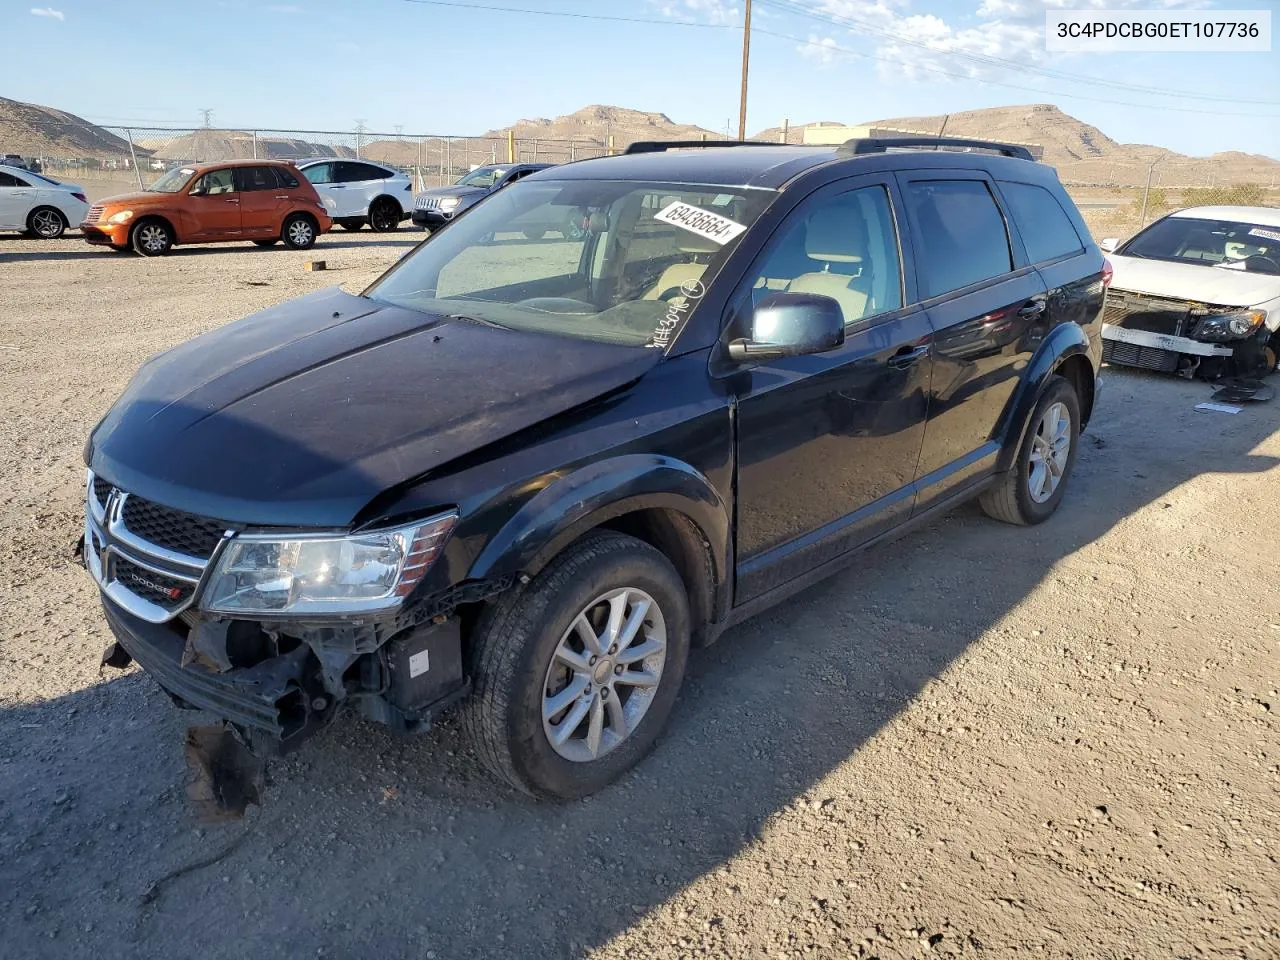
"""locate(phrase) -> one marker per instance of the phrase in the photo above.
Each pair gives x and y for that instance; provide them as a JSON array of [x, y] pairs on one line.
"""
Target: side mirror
[[791, 325], [197, 191], [1109, 244]]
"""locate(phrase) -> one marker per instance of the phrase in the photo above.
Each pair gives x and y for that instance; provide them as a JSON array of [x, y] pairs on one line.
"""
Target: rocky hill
[[236, 145], [34, 131], [597, 122]]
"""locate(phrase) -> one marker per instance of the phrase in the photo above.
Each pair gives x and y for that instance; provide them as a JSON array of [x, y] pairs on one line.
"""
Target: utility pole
[[746, 56], [359, 132], [1147, 190], [207, 113]]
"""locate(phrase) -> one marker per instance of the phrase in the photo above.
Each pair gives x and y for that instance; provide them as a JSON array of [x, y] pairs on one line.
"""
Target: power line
[[799, 9]]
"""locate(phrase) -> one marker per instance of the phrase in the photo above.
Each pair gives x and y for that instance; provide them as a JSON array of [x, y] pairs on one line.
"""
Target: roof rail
[[858, 147], [660, 146]]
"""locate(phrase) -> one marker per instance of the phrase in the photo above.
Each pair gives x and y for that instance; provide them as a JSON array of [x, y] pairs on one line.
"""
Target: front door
[[983, 304], [263, 202], [213, 205], [17, 197], [828, 445]]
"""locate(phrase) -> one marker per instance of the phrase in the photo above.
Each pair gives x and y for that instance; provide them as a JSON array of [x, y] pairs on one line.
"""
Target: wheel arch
[[66, 221], [168, 222], [1065, 352], [659, 500], [381, 197]]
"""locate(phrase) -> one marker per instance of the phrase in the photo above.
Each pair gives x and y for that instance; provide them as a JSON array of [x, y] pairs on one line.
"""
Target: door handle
[[231, 201], [282, 196], [1031, 309], [906, 356]]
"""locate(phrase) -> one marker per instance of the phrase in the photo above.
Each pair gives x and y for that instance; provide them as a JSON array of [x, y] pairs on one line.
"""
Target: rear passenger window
[[960, 237], [1046, 229], [844, 247], [9, 180], [258, 178], [286, 177]]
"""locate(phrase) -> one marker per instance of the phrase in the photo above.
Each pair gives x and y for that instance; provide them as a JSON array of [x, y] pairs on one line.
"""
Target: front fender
[[594, 494], [1064, 341]]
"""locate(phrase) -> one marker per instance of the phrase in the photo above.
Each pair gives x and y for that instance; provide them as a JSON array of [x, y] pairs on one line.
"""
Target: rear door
[[263, 201], [828, 444], [354, 187], [321, 176], [16, 199], [212, 207], [985, 304]]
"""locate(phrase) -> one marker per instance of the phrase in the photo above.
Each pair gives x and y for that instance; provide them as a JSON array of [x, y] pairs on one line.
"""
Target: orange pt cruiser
[[265, 201]]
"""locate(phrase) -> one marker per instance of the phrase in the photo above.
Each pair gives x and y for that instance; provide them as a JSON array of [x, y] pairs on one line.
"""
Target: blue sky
[[453, 69]]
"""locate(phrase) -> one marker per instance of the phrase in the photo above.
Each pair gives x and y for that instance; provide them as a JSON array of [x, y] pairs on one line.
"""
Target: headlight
[[1230, 326], [304, 574], [449, 203], [121, 217]]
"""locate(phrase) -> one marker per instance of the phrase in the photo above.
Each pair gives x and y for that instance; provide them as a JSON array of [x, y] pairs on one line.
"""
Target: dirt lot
[[980, 741]]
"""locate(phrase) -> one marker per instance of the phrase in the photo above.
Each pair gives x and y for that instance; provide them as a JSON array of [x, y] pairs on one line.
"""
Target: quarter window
[[286, 177], [960, 236], [1046, 229], [844, 247]]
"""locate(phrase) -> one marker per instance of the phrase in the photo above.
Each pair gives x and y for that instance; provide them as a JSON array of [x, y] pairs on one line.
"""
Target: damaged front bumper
[[1182, 336]]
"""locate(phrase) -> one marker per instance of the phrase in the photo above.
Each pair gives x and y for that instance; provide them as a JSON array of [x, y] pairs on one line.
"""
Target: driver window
[[319, 173], [216, 182], [844, 247]]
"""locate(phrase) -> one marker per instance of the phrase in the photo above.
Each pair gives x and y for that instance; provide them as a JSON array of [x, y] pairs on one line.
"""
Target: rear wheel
[[384, 215], [152, 238], [1031, 491], [46, 223], [577, 672], [299, 232]]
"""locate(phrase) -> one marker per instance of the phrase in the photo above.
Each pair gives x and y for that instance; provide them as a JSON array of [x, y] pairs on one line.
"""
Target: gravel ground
[[979, 741]]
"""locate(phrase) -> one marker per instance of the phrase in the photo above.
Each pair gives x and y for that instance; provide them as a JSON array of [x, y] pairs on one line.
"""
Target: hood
[[1184, 281], [303, 413], [136, 199]]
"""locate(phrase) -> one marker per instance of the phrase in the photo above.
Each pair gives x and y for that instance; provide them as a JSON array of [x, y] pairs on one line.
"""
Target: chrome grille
[[94, 214], [148, 558], [428, 203]]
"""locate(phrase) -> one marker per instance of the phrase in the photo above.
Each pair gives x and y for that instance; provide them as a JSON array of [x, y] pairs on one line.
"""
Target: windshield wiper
[[471, 319]]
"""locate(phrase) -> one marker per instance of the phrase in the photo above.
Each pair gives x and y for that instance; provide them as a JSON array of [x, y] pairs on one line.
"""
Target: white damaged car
[[1197, 293]]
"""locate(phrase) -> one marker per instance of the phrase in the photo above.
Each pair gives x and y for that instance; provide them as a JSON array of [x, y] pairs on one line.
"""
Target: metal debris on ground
[[1242, 390]]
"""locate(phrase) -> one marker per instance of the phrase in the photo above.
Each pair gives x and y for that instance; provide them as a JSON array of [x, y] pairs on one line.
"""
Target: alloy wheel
[[300, 233], [604, 674], [47, 224], [1050, 451], [152, 237], [382, 218]]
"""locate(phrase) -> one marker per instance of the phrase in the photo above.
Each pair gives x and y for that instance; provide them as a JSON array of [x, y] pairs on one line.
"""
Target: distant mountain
[[236, 145], [35, 131], [596, 123]]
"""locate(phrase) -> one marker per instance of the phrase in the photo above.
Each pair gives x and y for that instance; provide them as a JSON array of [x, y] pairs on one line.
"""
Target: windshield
[[626, 262], [482, 177], [173, 181], [1209, 243]]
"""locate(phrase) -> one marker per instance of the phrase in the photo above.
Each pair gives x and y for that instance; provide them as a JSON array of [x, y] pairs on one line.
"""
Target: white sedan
[[37, 205], [356, 192], [1197, 293]]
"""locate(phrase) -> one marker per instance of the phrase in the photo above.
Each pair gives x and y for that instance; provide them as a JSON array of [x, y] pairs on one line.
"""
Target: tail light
[[81, 197], [1107, 271]]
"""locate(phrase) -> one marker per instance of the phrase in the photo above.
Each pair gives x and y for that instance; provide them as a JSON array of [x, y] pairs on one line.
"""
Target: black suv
[[526, 478]]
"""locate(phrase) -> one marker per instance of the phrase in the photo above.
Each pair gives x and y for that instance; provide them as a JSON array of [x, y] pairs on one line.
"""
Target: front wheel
[[1031, 491], [152, 238], [576, 673], [46, 223], [299, 232]]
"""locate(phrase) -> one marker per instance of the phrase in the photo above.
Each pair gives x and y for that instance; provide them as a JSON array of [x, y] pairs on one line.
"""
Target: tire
[[1271, 356], [534, 234], [514, 662], [298, 232], [151, 237], [384, 215], [352, 225], [46, 223], [267, 243], [1014, 498]]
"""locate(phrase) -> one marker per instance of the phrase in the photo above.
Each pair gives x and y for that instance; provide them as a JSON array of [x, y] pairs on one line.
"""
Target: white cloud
[[699, 11], [49, 12], [823, 50], [925, 46]]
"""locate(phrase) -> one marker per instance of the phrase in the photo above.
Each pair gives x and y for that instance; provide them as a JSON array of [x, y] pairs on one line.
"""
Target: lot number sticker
[[1266, 234], [704, 223]]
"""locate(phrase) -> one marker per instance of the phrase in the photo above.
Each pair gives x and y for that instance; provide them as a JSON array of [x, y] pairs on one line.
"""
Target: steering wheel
[[669, 294], [1260, 264], [563, 305]]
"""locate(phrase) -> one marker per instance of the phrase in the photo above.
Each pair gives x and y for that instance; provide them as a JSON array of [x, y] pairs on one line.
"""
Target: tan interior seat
[[697, 248], [835, 239]]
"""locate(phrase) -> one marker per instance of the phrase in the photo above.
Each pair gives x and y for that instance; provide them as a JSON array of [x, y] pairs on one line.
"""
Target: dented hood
[[301, 414], [1188, 281]]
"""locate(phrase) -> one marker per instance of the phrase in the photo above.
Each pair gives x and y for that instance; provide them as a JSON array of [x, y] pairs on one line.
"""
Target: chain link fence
[[431, 160]]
